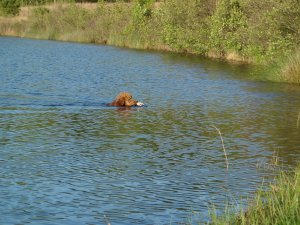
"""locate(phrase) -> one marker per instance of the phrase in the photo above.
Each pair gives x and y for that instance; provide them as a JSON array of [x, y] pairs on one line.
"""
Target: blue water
[[67, 158]]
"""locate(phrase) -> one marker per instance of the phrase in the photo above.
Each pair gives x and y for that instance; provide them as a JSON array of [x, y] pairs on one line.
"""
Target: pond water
[[66, 158]]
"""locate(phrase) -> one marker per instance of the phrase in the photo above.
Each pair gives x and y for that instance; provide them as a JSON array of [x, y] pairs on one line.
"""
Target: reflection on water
[[67, 159]]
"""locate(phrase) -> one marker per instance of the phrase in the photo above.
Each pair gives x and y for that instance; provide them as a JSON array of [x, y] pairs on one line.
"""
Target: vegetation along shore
[[280, 204], [250, 31]]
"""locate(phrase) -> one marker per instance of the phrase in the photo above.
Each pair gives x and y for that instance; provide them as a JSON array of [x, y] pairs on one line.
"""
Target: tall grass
[[291, 70], [280, 204], [105, 23]]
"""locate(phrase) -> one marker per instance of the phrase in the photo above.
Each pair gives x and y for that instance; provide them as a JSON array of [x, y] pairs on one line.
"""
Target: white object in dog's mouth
[[140, 104]]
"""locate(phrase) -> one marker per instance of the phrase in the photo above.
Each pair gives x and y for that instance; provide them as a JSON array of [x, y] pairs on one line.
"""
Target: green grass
[[279, 205]]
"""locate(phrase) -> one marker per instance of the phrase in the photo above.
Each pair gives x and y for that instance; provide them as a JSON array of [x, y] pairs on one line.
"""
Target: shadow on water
[[66, 158]]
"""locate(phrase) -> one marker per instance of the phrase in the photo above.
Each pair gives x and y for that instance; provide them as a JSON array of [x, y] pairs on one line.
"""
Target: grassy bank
[[251, 31], [280, 204]]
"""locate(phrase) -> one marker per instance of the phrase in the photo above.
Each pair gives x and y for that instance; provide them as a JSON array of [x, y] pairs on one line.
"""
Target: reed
[[225, 154], [298, 120]]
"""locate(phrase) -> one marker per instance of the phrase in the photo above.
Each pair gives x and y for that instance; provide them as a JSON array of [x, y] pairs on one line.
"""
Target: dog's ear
[[121, 101]]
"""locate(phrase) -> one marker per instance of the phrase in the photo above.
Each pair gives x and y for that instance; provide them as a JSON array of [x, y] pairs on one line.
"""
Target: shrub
[[228, 25], [9, 7], [142, 9], [185, 24]]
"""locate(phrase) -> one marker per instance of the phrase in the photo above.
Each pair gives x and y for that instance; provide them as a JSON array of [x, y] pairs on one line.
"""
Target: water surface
[[66, 158]]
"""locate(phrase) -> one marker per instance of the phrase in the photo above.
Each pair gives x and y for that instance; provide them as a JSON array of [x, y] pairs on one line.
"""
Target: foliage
[[34, 2], [9, 7], [228, 24], [186, 25], [142, 9]]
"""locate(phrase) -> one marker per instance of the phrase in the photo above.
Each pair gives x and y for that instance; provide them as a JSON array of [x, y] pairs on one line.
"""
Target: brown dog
[[125, 99]]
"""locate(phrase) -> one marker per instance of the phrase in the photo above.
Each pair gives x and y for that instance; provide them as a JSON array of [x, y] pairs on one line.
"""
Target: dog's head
[[124, 99]]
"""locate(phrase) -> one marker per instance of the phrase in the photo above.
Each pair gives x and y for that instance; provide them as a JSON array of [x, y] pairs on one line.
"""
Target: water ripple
[[66, 158]]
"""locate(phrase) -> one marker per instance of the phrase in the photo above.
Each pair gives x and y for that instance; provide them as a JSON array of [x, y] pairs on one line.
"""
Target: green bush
[[9, 7], [142, 9], [185, 24], [228, 24]]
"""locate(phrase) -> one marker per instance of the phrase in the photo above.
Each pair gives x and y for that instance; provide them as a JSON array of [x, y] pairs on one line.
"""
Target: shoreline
[[278, 204], [154, 27]]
